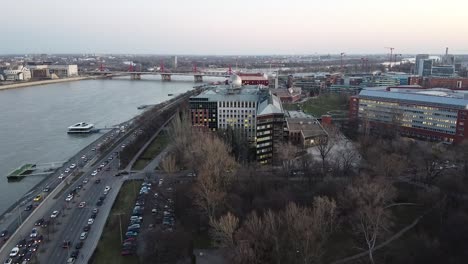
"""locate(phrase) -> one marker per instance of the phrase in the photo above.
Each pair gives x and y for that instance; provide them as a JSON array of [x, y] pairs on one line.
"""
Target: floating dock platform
[[21, 172]]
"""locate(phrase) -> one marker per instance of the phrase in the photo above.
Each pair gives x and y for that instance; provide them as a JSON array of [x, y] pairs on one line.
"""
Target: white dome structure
[[236, 81]]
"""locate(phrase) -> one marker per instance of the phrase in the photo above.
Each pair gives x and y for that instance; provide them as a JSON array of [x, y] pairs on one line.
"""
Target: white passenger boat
[[80, 128]]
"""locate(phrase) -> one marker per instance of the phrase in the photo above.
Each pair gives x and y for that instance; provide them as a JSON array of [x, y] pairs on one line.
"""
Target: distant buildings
[[435, 115], [46, 70]]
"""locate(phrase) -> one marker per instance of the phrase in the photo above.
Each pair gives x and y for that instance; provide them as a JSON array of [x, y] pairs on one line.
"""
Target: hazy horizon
[[243, 27]]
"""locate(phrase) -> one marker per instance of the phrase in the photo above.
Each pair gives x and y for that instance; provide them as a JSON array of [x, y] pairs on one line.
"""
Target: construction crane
[[342, 55], [391, 55]]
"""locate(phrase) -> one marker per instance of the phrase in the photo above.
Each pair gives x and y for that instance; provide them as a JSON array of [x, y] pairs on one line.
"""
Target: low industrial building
[[304, 131], [289, 95]]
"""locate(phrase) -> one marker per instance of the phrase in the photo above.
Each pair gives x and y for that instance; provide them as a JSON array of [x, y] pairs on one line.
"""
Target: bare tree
[[169, 164], [286, 154], [215, 168], [370, 200], [223, 230], [325, 143], [346, 157]]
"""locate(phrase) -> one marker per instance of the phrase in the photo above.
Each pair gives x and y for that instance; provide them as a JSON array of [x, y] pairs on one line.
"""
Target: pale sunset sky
[[233, 27]]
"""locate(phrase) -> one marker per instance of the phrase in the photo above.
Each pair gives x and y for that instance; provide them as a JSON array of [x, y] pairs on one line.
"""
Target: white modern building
[[19, 73]]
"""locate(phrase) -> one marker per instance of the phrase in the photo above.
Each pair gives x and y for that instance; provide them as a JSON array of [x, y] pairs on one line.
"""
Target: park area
[[321, 105]]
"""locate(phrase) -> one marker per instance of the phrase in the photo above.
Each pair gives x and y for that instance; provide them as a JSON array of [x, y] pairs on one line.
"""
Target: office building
[[248, 109], [418, 61], [443, 71], [425, 67], [435, 114]]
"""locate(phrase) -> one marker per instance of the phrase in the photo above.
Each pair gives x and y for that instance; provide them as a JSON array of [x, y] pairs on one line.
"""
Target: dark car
[[97, 181], [46, 223], [4, 233], [39, 222], [23, 252], [99, 203], [28, 256], [74, 254], [86, 228], [66, 244], [79, 245], [79, 186], [21, 243], [46, 189], [33, 248], [28, 208], [93, 216], [102, 198], [39, 239], [30, 242]]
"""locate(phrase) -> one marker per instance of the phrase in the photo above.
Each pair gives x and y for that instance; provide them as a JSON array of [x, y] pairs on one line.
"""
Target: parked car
[[131, 234], [94, 173], [69, 198], [86, 228], [73, 166], [90, 221]]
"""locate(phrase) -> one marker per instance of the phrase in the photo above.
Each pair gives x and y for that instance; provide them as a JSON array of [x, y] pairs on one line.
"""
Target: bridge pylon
[[198, 78]]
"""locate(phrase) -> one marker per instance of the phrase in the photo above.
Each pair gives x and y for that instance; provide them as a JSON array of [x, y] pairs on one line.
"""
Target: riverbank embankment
[[43, 82]]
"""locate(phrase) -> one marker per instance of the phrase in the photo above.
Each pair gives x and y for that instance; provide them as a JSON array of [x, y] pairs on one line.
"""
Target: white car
[[61, 176], [73, 166], [67, 170], [90, 221], [54, 214], [85, 180], [94, 173], [83, 157], [160, 182], [83, 235], [107, 189], [82, 204], [14, 252], [69, 198]]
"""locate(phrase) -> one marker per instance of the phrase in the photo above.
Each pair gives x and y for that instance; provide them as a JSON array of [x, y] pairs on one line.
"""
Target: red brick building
[[254, 79], [449, 83]]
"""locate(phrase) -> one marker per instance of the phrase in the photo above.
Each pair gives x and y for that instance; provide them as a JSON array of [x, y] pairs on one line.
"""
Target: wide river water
[[34, 120]]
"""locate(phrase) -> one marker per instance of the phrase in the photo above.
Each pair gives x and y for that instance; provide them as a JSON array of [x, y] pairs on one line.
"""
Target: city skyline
[[240, 28]]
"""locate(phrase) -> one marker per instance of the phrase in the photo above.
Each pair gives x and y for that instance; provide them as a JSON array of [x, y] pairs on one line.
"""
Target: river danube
[[34, 120]]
